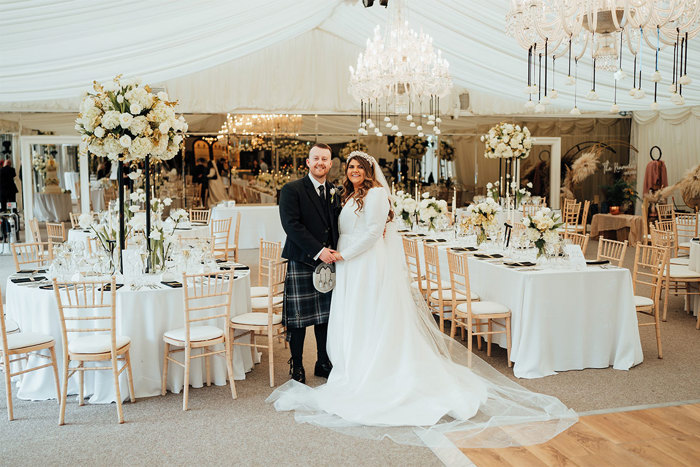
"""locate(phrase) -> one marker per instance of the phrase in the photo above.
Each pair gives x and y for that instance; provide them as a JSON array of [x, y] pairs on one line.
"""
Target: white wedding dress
[[393, 370]]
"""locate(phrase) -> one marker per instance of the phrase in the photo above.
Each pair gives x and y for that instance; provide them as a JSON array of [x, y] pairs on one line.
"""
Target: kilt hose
[[303, 305]]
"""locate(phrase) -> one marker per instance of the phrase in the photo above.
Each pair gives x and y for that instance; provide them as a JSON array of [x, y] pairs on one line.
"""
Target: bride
[[393, 370]]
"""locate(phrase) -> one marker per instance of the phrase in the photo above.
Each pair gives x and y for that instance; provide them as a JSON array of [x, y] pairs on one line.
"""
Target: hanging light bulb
[[654, 106], [419, 128], [388, 124], [619, 75], [614, 109], [409, 117], [539, 108], [685, 80], [438, 120], [437, 131], [380, 134], [529, 105], [399, 134], [575, 111], [546, 100], [420, 134], [387, 119], [553, 94], [570, 80], [394, 127], [592, 95], [412, 125], [655, 77]]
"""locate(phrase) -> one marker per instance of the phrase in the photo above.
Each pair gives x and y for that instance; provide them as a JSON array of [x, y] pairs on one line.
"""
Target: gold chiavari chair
[[583, 222], [529, 209], [34, 230], [686, 226], [412, 257], [665, 212], [236, 233], [570, 216], [32, 255], [18, 344], [435, 288], [266, 317], [578, 239], [611, 250], [74, 223], [55, 232], [207, 297], [458, 286], [220, 231], [90, 307], [269, 251], [201, 216], [476, 314], [649, 262]]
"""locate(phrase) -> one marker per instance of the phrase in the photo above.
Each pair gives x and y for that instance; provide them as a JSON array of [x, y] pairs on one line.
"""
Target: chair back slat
[[269, 251], [570, 215], [55, 232], [200, 215], [220, 232], [432, 268], [578, 239], [611, 250], [459, 277], [32, 255], [665, 212], [649, 264], [34, 230], [207, 297]]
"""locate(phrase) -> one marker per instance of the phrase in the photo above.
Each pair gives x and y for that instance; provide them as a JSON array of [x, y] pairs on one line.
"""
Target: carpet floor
[[217, 430]]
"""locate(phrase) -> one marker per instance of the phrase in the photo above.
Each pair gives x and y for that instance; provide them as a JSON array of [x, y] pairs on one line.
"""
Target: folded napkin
[[484, 256], [173, 284], [22, 280], [225, 268], [221, 261], [519, 263], [594, 262], [32, 271], [108, 287], [241, 267], [434, 240], [458, 248]]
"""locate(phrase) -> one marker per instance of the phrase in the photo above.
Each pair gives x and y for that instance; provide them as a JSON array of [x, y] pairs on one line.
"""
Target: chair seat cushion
[[682, 261], [683, 272], [685, 245], [11, 325], [447, 295], [19, 340], [197, 333], [255, 319], [258, 291], [96, 343], [643, 301], [262, 302], [484, 308]]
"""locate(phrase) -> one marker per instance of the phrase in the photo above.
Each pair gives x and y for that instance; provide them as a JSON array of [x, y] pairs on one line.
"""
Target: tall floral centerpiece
[[542, 229], [509, 144], [482, 218], [125, 121], [405, 207]]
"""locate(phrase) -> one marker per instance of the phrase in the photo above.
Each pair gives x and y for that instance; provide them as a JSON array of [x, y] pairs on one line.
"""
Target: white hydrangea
[[85, 220], [138, 125], [110, 120]]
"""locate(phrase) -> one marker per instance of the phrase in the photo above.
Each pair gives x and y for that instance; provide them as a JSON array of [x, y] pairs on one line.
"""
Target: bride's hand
[[337, 256]]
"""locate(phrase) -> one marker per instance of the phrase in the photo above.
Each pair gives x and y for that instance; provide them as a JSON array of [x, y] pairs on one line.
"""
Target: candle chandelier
[[261, 125], [607, 30], [399, 76]]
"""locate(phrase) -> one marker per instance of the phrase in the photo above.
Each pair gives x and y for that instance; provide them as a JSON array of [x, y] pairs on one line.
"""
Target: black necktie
[[322, 193]]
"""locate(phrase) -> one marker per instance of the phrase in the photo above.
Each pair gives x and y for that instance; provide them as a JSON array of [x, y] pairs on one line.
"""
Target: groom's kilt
[[303, 304]]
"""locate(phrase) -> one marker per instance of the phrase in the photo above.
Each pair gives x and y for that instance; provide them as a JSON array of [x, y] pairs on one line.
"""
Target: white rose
[[120, 99], [164, 127], [529, 184], [167, 201], [138, 125], [134, 208], [532, 234], [162, 95], [125, 141], [551, 236], [135, 108], [99, 132], [85, 220], [155, 235], [125, 120], [489, 185]]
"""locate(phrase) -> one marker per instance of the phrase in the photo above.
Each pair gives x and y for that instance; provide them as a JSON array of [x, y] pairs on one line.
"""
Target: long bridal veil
[[511, 415]]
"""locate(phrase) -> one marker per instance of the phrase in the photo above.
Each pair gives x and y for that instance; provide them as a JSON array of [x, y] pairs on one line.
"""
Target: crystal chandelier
[[399, 74], [261, 125], [607, 29]]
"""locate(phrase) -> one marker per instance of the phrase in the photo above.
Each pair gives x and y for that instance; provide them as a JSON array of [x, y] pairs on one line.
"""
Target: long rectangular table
[[561, 319]]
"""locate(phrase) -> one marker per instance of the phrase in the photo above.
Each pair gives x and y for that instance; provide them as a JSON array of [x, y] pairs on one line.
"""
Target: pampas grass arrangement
[[689, 186], [581, 169]]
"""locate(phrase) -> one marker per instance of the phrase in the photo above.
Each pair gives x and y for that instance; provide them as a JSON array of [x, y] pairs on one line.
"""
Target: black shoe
[[297, 372], [323, 369]]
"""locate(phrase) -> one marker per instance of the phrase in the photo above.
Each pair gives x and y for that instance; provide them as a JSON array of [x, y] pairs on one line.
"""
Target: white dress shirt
[[316, 185]]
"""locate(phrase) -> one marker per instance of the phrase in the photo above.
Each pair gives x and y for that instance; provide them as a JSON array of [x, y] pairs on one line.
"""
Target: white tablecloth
[[256, 222], [143, 315], [561, 319], [694, 265], [197, 231], [52, 207], [71, 178]]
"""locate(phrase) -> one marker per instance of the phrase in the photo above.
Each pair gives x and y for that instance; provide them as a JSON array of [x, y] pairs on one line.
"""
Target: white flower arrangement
[[493, 191], [123, 120], [506, 141], [39, 164], [405, 207], [541, 229], [482, 217], [430, 210]]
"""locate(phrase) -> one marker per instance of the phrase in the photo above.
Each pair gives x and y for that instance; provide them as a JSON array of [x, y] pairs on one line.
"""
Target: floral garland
[[122, 120], [353, 145], [506, 141]]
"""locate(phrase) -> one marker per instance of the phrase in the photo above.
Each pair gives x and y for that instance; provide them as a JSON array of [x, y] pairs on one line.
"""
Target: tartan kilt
[[303, 305]]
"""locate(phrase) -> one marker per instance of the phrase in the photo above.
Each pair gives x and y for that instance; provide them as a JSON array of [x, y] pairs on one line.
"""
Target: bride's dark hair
[[369, 182]]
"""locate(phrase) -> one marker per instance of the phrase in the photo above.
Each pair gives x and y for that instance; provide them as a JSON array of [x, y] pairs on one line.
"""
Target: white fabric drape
[[676, 133], [53, 50]]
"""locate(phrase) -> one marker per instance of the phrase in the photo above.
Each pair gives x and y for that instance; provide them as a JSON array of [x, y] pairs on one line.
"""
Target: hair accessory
[[363, 155]]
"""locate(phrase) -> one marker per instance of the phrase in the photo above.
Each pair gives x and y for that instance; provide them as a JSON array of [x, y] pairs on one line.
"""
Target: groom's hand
[[337, 256], [327, 256]]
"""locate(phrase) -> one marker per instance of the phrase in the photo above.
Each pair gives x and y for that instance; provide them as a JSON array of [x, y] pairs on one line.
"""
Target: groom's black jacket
[[309, 224]]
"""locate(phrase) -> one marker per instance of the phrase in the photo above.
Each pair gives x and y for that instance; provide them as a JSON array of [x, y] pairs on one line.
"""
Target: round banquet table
[[257, 222], [143, 315], [52, 207]]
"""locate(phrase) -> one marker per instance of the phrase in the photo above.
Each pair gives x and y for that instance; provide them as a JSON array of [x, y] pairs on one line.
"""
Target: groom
[[309, 210]]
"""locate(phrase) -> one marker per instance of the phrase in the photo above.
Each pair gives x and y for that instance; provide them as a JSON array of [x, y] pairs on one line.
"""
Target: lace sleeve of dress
[[375, 210]]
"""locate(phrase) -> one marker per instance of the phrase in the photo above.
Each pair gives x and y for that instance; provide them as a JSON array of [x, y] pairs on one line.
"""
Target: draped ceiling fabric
[[235, 55]]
